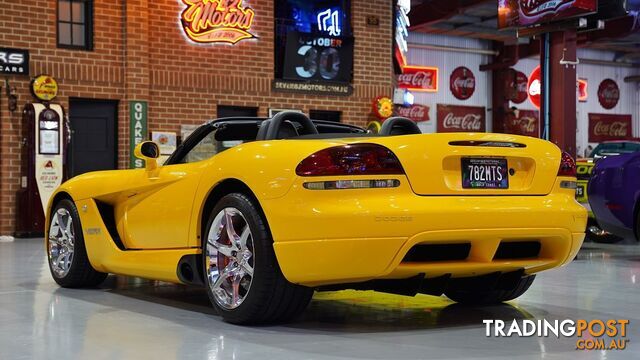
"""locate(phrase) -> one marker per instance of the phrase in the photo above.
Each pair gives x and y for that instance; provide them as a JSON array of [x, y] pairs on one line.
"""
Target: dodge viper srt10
[[262, 212], [614, 194]]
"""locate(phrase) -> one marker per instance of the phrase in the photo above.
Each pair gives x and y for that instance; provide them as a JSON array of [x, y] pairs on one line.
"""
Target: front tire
[[242, 276], [66, 252], [492, 296]]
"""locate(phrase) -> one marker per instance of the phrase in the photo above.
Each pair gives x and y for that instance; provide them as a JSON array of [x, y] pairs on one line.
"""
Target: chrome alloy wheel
[[61, 240], [229, 258]]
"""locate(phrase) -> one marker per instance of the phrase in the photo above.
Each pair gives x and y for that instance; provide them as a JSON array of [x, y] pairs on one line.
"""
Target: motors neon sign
[[217, 21], [329, 22]]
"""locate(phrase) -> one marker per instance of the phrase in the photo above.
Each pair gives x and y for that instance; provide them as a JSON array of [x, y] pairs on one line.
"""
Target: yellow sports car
[[262, 212]]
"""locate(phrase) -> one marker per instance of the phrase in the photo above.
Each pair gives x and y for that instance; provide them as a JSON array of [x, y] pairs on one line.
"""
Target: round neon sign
[[534, 87]]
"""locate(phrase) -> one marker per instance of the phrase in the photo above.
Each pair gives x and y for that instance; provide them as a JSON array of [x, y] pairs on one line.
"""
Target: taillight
[[357, 159], [567, 165]]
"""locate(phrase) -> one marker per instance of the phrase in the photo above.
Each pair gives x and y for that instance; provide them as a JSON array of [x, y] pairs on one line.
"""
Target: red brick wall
[[149, 58]]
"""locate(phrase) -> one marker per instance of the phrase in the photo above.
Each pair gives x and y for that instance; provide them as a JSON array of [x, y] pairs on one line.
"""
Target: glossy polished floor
[[128, 318]]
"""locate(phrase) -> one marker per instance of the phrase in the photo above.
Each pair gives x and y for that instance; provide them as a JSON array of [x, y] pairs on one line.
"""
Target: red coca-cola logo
[[583, 95], [518, 87], [534, 87], [538, 7], [461, 118], [419, 78], [608, 94], [462, 83], [604, 127], [414, 112], [525, 123]]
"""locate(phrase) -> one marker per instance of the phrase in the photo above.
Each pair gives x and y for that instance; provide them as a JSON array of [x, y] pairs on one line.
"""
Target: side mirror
[[149, 152]]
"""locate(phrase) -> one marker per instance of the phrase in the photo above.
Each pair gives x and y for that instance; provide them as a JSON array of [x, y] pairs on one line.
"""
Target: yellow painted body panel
[[336, 236]]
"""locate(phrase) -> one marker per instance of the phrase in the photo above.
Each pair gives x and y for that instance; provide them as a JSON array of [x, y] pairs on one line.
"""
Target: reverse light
[[567, 165], [351, 184], [357, 159]]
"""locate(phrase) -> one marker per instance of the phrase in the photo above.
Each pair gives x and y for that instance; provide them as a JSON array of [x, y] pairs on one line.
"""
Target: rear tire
[[489, 297], [242, 276], [66, 252]]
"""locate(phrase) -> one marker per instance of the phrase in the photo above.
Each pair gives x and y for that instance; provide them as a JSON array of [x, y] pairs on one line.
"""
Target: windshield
[[616, 148]]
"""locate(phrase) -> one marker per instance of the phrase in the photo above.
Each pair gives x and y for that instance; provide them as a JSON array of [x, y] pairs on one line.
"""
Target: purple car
[[614, 194]]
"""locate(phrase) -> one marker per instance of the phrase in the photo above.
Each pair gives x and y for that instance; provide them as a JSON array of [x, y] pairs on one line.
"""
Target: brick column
[[137, 77]]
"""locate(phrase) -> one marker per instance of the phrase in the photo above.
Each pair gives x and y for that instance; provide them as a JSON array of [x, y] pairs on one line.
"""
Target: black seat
[[398, 125], [281, 126]]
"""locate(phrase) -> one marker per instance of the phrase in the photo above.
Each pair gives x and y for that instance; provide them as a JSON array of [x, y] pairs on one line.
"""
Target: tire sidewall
[[263, 256]]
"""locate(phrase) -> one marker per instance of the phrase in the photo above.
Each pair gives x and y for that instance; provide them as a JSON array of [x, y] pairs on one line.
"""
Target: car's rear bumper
[[342, 236]]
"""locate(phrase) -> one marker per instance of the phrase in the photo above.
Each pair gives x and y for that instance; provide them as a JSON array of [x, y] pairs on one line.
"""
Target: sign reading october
[[217, 21]]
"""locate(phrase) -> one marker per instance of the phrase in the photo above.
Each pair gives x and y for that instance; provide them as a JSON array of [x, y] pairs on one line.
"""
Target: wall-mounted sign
[[382, 107], [318, 58], [401, 47], [329, 21], [462, 83], [523, 122], [414, 112], [455, 118], [517, 87], [14, 61], [519, 13], [217, 21], [604, 127], [608, 94], [534, 87], [137, 130], [583, 94], [44, 87], [419, 78], [311, 87]]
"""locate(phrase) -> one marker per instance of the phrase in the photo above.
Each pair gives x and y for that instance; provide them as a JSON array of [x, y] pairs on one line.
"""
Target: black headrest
[[399, 126], [287, 131], [262, 131]]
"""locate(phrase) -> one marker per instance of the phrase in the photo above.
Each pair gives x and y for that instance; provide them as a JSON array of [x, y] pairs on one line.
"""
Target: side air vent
[[107, 214], [518, 250], [437, 252]]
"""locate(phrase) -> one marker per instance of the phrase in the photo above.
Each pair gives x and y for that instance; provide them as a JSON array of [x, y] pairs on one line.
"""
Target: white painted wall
[[446, 61]]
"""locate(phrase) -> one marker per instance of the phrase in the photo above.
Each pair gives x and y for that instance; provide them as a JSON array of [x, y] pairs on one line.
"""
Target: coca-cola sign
[[414, 112], [419, 78], [517, 87], [534, 87], [455, 118], [523, 122], [608, 94], [519, 13], [604, 127], [462, 83], [582, 86]]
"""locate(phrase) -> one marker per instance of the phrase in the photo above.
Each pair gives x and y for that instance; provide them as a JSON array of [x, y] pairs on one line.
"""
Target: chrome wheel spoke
[[231, 232], [247, 268], [225, 250], [242, 241], [235, 286]]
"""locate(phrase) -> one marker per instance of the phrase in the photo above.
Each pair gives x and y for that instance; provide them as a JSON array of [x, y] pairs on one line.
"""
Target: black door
[[93, 135]]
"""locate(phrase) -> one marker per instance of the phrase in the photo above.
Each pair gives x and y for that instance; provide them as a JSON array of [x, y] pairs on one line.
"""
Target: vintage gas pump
[[44, 140]]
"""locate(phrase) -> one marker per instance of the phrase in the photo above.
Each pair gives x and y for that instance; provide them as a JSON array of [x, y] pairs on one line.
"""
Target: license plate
[[485, 173]]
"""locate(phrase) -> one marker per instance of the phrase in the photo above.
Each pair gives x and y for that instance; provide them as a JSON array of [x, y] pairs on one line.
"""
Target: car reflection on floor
[[136, 318]]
